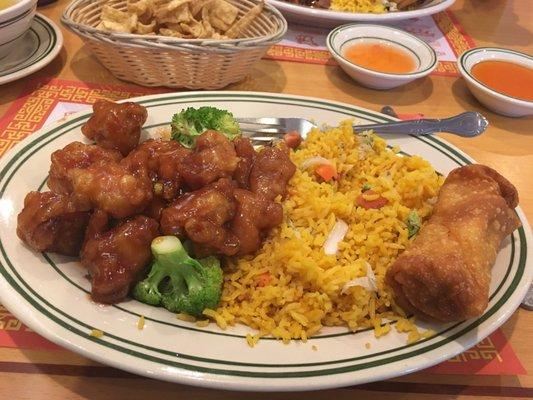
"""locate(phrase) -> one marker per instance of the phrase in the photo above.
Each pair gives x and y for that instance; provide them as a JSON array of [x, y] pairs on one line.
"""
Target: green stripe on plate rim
[[471, 52], [12, 40], [336, 31], [186, 99], [24, 64], [53, 40], [16, 18]]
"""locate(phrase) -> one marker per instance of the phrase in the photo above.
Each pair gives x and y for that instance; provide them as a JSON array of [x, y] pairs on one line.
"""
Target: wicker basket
[[151, 60]]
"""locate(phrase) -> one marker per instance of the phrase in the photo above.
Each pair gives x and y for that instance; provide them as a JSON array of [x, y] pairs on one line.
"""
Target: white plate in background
[[328, 18]]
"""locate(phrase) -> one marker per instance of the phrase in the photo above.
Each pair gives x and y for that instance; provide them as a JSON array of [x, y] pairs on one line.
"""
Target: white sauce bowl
[[14, 22], [490, 98], [344, 36]]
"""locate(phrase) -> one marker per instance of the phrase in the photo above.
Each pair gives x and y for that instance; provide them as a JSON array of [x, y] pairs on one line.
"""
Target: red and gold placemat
[[492, 356], [442, 31], [45, 102]]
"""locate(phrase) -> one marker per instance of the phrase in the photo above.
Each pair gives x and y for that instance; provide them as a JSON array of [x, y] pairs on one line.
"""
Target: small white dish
[[14, 23], [34, 50], [347, 35], [490, 98]]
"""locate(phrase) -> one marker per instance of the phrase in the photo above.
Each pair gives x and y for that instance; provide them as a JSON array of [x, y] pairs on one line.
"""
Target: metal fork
[[467, 124]]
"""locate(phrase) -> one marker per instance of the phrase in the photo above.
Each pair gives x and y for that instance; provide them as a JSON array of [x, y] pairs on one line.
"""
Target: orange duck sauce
[[506, 78], [381, 58]]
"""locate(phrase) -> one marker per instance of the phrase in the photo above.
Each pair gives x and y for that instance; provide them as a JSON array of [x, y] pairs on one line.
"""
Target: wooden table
[[507, 146]]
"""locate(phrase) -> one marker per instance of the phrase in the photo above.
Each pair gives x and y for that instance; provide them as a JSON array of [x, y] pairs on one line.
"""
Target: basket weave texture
[[152, 60]]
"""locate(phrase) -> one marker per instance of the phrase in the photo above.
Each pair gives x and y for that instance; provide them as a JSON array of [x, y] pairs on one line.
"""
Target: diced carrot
[[264, 279], [292, 139], [326, 172], [368, 204]]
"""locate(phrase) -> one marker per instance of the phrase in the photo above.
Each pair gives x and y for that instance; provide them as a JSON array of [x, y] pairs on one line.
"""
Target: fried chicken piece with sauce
[[271, 172], [76, 155], [155, 209], [203, 217], [214, 157], [254, 216], [52, 222], [116, 257], [247, 154], [112, 188], [163, 160], [115, 126]]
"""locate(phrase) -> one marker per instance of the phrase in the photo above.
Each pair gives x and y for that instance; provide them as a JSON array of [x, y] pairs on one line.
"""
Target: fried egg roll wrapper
[[444, 275]]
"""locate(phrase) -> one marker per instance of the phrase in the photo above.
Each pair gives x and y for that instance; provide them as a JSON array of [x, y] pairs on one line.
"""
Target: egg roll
[[445, 272]]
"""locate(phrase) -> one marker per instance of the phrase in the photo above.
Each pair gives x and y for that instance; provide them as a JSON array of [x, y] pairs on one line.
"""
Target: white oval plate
[[49, 293], [33, 51], [328, 18]]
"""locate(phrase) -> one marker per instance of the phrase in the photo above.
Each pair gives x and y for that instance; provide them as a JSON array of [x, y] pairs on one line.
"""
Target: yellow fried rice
[[364, 6], [291, 289]]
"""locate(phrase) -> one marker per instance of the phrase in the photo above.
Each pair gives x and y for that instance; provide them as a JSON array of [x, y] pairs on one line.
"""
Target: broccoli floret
[[413, 223], [178, 282], [192, 122]]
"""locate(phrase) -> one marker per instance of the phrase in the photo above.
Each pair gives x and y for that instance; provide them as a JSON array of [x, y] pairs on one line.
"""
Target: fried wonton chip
[[175, 12], [115, 20], [220, 14], [188, 19], [144, 9], [193, 29], [140, 7], [146, 29], [197, 6], [170, 32], [209, 30], [242, 23]]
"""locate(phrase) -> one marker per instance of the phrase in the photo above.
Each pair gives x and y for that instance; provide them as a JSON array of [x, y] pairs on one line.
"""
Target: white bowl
[[423, 54], [495, 101], [14, 22]]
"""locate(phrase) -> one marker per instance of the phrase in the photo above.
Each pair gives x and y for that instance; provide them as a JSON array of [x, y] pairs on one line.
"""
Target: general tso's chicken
[[214, 157], [203, 216], [116, 258], [163, 160], [52, 222], [254, 216], [76, 155], [246, 153], [112, 188], [155, 209], [271, 172], [116, 126]]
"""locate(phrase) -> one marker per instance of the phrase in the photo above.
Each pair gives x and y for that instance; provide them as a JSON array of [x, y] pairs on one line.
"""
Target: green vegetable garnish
[[178, 282], [366, 187], [192, 122], [413, 223]]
